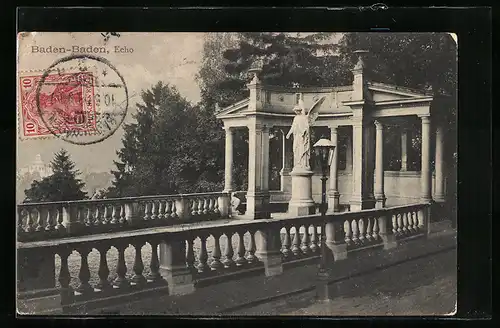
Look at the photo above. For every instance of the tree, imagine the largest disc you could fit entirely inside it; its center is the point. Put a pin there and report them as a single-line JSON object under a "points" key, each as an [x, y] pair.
{"points": [[173, 147], [62, 185]]}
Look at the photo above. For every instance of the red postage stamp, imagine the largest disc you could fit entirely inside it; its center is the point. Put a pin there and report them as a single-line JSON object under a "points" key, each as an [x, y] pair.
{"points": [[63, 103]]}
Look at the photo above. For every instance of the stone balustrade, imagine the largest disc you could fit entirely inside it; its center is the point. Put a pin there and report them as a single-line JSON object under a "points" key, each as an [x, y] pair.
{"points": [[37, 221], [185, 256]]}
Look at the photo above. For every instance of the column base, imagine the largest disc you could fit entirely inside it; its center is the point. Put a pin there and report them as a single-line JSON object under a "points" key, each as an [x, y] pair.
{"points": [[180, 281], [257, 206], [339, 251], [333, 201], [357, 204], [301, 202], [380, 201], [439, 198], [389, 240], [426, 199], [273, 265]]}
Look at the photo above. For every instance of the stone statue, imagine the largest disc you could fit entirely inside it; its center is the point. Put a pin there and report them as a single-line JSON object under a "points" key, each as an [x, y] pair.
{"points": [[301, 136]]}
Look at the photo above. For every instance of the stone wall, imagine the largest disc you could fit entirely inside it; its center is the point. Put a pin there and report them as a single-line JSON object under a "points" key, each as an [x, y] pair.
{"points": [[401, 187]]}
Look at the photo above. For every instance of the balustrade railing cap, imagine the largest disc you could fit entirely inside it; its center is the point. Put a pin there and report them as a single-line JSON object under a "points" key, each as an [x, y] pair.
{"points": [[122, 199]]}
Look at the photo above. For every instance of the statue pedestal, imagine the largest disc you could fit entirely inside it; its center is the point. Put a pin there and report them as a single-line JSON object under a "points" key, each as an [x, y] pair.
{"points": [[301, 202]]}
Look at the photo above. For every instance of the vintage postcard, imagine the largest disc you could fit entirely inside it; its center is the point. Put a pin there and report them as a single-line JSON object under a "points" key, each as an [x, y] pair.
{"points": [[263, 173]]}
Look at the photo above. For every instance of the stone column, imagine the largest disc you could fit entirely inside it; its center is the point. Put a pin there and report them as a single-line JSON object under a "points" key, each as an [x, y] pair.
{"points": [[358, 198], [265, 159], [404, 149], [348, 158], [228, 181], [285, 170], [379, 166], [439, 191], [258, 172], [425, 182], [333, 193]]}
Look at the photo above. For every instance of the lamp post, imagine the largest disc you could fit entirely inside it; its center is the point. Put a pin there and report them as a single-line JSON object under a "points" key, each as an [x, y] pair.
{"points": [[324, 154]]}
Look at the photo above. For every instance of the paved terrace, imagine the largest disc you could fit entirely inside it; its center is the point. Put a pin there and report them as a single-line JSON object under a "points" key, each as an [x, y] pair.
{"points": [[414, 279]]}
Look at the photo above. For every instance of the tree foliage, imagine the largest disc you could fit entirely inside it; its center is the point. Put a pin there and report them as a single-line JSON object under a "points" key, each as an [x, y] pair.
{"points": [[62, 185], [176, 147], [173, 147]]}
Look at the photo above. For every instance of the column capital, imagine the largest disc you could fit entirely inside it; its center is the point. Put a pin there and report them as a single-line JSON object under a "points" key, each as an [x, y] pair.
{"points": [[378, 125], [228, 128], [333, 127], [426, 119]]}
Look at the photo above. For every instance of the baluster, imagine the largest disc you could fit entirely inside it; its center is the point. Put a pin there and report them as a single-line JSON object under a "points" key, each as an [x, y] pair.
{"points": [[296, 241], [203, 256], [138, 267], [84, 274], [400, 224], [405, 223], [80, 215], [29, 221], [114, 215], [305, 240], [20, 213], [103, 271], [355, 231], [415, 221], [173, 213], [348, 233], [59, 220], [105, 215], [190, 253], [375, 234], [64, 275], [154, 210], [97, 219], [168, 211], [314, 240], [123, 218], [285, 249], [228, 251], [210, 205], [369, 229], [49, 226], [240, 260], [88, 221], [251, 258], [147, 211], [194, 207], [205, 206], [201, 203], [161, 209], [216, 254], [155, 264], [394, 224], [39, 220], [362, 230], [216, 206], [410, 222], [121, 269]]}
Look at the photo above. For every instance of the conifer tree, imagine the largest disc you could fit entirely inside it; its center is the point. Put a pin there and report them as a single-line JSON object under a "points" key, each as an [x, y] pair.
{"points": [[62, 185]]}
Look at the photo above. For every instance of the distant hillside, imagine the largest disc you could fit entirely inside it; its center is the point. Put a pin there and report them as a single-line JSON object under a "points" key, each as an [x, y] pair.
{"points": [[93, 181]]}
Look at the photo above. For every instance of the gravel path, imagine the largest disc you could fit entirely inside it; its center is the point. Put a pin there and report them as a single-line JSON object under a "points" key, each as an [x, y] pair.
{"points": [[426, 286]]}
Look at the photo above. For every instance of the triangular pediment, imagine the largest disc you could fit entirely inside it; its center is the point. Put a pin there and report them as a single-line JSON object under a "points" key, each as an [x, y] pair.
{"points": [[382, 92], [234, 109]]}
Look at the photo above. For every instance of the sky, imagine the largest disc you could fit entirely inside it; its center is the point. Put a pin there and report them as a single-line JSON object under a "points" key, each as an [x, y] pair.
{"points": [[174, 58], [170, 57]]}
